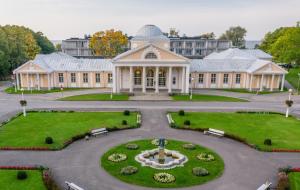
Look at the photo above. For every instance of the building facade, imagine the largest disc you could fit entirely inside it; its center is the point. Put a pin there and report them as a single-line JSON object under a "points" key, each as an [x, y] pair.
{"points": [[150, 66], [77, 47]]}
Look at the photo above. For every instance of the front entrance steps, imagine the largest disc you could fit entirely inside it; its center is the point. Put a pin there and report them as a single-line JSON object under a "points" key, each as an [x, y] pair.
{"points": [[149, 96]]}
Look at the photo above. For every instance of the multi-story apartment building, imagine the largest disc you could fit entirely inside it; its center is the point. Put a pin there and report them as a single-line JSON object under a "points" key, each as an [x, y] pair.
{"points": [[197, 47], [190, 47], [77, 47]]}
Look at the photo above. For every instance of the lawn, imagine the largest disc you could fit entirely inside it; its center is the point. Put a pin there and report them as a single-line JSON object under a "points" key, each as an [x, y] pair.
{"points": [[294, 179], [292, 77], [97, 97], [241, 90], [206, 98], [253, 127], [11, 90], [32, 130], [9, 181], [144, 176]]}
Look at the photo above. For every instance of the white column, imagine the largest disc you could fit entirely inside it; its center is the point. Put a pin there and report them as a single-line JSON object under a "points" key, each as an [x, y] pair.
{"points": [[130, 79], [251, 80], [261, 82], [144, 80], [114, 87], [38, 80], [49, 83], [282, 82], [170, 80], [220, 80], [18, 81], [156, 79], [272, 82], [207, 78], [182, 79], [91, 78], [187, 79], [118, 80], [28, 85]]}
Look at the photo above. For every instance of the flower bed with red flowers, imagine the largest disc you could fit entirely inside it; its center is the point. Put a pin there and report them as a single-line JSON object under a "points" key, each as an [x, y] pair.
{"points": [[26, 148], [295, 169], [284, 150], [21, 167]]}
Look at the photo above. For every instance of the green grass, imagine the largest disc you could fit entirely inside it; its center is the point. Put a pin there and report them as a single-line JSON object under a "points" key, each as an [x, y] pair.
{"points": [[32, 130], [255, 128], [294, 179], [292, 77], [241, 90], [144, 176], [9, 181], [11, 90], [206, 98], [96, 97]]}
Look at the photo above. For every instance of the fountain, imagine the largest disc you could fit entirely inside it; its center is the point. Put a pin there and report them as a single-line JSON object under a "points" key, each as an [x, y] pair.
{"points": [[161, 158]]}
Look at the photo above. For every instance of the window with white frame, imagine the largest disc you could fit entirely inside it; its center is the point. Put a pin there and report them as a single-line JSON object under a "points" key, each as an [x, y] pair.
{"points": [[201, 79], [137, 77], [60, 77], [110, 77], [213, 78], [162, 78], [237, 78], [150, 55], [85, 78], [73, 77], [225, 79], [97, 77]]}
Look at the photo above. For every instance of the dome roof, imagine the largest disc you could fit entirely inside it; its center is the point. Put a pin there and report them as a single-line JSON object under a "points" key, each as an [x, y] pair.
{"points": [[149, 32]]}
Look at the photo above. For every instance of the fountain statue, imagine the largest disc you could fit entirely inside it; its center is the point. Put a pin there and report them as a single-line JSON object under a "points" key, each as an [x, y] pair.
{"points": [[161, 151]]}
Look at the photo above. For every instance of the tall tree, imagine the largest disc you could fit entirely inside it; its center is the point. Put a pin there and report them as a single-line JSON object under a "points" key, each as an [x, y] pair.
{"points": [[45, 44], [58, 47], [108, 43], [4, 64], [236, 35], [210, 35], [173, 32]]}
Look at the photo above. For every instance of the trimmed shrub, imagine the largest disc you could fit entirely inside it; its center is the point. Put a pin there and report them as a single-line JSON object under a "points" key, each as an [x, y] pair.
{"points": [[198, 171], [181, 113], [48, 140], [124, 122], [117, 157], [21, 175], [187, 122], [189, 146], [173, 125], [164, 177], [268, 142], [126, 112], [205, 157], [132, 146], [283, 181], [129, 170]]}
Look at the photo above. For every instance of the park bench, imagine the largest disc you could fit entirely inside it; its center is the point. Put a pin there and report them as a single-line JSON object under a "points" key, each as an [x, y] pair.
{"points": [[265, 186], [100, 131], [72, 186], [214, 132]]}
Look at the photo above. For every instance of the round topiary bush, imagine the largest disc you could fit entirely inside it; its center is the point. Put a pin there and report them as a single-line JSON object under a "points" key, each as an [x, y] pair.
{"points": [[124, 122], [48, 140], [181, 112], [156, 142], [117, 157], [198, 171], [187, 122], [126, 112], [132, 146], [268, 142], [164, 177], [205, 157], [129, 170], [189, 146], [21, 175]]}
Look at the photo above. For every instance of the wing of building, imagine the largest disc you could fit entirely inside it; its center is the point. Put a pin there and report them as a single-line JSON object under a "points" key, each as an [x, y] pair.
{"points": [[150, 66]]}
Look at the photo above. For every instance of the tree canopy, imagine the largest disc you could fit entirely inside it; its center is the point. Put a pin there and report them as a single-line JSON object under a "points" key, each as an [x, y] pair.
{"points": [[283, 44], [209, 35], [236, 34], [108, 43]]}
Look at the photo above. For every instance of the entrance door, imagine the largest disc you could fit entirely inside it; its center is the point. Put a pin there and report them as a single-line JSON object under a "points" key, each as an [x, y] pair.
{"points": [[150, 79]]}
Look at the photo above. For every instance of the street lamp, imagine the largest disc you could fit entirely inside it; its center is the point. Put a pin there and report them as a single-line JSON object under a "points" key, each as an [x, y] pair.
{"points": [[191, 95], [289, 103], [290, 93], [23, 103], [22, 92]]}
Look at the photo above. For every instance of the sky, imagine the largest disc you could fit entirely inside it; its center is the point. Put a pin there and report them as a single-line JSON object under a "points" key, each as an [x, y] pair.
{"points": [[62, 19]]}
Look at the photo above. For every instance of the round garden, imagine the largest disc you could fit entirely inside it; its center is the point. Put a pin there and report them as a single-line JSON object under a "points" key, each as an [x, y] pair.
{"points": [[172, 164]]}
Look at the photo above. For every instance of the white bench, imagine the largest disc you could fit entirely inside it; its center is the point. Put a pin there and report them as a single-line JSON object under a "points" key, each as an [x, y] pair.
{"points": [[170, 120], [215, 132], [72, 186], [100, 131], [265, 186]]}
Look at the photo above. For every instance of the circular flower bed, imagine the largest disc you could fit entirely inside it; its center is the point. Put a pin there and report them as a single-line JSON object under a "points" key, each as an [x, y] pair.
{"points": [[129, 170], [117, 157], [164, 177], [189, 146], [132, 146], [206, 157], [156, 142], [198, 171]]}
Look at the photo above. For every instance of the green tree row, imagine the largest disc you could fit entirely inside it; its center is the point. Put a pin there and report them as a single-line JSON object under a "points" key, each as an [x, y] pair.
{"points": [[19, 44]]}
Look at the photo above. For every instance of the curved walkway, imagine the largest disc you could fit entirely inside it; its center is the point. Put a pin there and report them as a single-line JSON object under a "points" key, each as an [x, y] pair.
{"points": [[245, 168]]}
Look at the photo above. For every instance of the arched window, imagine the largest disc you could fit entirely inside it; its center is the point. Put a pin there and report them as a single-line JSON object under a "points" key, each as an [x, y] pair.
{"points": [[137, 77], [150, 55]]}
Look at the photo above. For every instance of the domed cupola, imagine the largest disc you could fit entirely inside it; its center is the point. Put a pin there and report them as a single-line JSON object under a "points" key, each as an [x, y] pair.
{"points": [[150, 34]]}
